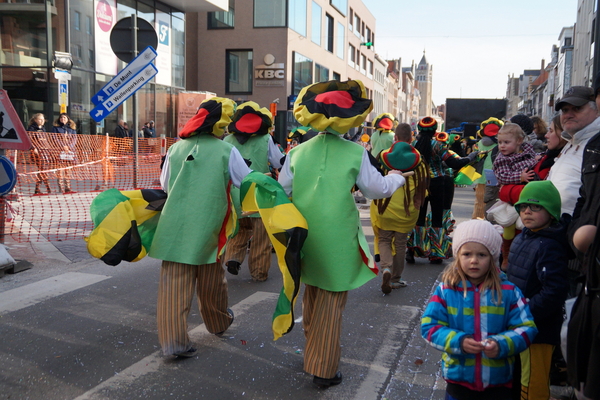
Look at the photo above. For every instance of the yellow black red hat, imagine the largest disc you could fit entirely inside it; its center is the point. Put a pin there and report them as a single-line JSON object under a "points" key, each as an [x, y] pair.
{"points": [[490, 127], [385, 122], [333, 106], [248, 120], [213, 116], [427, 124]]}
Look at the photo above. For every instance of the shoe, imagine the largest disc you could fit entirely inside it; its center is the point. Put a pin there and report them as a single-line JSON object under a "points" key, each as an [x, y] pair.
{"points": [[230, 311], [399, 284], [324, 382], [385, 285], [410, 257], [435, 260], [233, 267], [191, 352]]}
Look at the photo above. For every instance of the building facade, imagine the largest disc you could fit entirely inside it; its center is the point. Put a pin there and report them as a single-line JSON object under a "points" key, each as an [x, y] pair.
{"points": [[33, 31], [424, 78], [583, 39], [268, 50]]}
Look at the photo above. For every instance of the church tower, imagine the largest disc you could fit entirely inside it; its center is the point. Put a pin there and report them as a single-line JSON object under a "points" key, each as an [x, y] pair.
{"points": [[424, 78]]}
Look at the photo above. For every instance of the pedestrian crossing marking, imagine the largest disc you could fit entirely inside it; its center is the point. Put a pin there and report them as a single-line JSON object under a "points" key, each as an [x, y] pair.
{"points": [[154, 361], [34, 293]]}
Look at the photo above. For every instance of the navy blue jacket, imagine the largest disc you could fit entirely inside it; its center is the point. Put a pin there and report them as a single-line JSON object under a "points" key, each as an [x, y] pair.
{"points": [[537, 264]]}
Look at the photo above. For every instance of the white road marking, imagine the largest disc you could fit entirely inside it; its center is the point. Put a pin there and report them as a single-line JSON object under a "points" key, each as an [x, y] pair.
{"points": [[379, 368], [28, 295], [153, 362]]}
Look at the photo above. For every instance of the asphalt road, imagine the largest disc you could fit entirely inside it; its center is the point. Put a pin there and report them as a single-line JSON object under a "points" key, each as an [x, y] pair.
{"points": [[79, 329]]}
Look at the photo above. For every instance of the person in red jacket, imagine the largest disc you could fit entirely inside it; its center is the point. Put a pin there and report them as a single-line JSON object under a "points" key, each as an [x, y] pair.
{"points": [[510, 193]]}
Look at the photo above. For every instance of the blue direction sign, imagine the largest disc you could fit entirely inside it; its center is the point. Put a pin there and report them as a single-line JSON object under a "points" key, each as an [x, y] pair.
{"points": [[8, 176], [144, 76], [125, 75]]}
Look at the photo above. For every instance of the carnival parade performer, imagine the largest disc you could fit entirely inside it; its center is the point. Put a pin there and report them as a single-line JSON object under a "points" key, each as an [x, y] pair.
{"points": [[194, 224], [383, 137], [432, 241], [319, 176], [249, 133]]}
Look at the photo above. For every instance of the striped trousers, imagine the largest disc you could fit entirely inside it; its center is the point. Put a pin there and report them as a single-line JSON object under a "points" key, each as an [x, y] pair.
{"points": [[176, 288], [322, 322], [259, 260]]}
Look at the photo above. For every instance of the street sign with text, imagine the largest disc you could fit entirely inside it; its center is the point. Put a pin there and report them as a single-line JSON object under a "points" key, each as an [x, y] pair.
{"points": [[127, 89], [141, 61]]}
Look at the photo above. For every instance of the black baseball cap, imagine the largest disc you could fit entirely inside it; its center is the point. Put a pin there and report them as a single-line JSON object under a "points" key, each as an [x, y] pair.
{"points": [[576, 96]]}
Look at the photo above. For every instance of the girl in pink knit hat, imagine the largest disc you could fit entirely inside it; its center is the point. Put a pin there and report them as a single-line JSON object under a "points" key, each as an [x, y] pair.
{"points": [[477, 318]]}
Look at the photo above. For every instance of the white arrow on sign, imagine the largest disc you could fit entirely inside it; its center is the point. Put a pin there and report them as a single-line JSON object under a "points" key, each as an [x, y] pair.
{"points": [[125, 91], [141, 61]]}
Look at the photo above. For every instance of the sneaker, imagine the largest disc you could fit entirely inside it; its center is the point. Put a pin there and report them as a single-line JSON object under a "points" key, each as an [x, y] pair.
{"points": [[385, 285], [399, 284], [191, 352], [233, 267], [324, 382], [230, 311], [435, 260]]}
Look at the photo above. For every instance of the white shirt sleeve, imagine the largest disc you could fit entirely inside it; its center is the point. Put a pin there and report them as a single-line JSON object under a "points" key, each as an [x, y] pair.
{"points": [[286, 177], [164, 174], [237, 170], [237, 167], [372, 184], [275, 154]]}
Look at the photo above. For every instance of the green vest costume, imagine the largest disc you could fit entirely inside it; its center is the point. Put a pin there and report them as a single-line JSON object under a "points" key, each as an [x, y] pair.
{"points": [[191, 228], [325, 170], [381, 141], [256, 149], [488, 163]]}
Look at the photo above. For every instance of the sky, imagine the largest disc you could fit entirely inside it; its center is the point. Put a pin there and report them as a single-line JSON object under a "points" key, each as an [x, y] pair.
{"points": [[473, 45]]}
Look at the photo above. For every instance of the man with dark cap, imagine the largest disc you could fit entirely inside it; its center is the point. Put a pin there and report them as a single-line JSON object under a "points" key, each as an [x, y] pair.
{"points": [[583, 343], [579, 118]]}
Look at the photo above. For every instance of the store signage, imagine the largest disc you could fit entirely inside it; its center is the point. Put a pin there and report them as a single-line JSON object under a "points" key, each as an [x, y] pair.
{"points": [[270, 73]]}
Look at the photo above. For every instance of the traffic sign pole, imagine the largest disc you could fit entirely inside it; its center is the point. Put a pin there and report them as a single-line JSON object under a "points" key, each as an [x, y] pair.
{"points": [[134, 32]]}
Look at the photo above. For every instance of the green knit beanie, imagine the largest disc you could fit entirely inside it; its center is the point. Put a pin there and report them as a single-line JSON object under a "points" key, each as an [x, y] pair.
{"points": [[543, 193]]}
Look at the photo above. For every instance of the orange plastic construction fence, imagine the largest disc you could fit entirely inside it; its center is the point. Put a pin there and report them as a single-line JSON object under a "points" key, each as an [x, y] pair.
{"points": [[60, 176]]}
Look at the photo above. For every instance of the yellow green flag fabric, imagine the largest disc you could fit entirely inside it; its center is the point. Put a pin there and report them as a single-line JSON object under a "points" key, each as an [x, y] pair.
{"points": [[467, 175], [124, 224], [287, 231]]}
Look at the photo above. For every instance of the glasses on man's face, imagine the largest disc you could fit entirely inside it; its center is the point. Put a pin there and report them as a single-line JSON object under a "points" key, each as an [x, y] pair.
{"points": [[532, 207]]}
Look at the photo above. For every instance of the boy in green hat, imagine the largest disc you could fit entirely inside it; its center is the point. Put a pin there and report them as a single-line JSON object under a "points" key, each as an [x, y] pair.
{"points": [[537, 264]]}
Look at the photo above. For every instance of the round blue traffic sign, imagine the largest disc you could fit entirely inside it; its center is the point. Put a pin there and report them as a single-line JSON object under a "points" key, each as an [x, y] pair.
{"points": [[8, 176]]}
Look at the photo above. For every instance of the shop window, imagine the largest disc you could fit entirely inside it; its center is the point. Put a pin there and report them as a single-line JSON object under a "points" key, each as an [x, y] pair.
{"points": [[321, 73], [239, 69], [303, 73], [222, 19], [340, 40], [297, 16], [23, 39], [340, 5], [269, 13], [329, 33], [317, 23]]}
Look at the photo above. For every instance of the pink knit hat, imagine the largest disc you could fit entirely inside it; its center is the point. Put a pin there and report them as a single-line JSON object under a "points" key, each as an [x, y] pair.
{"points": [[479, 231]]}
